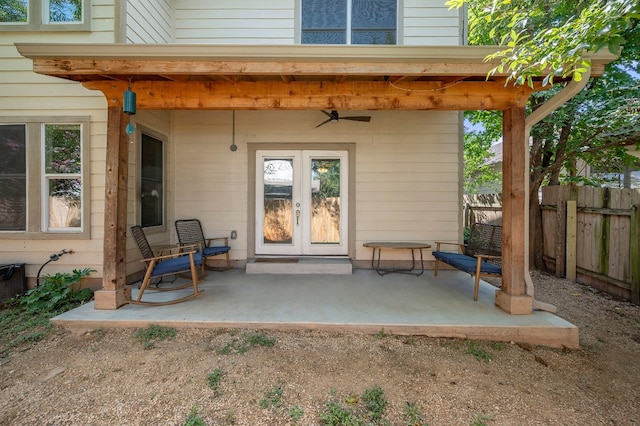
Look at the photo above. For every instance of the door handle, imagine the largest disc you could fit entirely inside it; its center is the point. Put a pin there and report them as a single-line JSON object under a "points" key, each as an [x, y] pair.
{"points": [[297, 217]]}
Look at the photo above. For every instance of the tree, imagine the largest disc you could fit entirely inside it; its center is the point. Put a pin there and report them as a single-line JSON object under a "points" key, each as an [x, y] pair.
{"points": [[547, 37]]}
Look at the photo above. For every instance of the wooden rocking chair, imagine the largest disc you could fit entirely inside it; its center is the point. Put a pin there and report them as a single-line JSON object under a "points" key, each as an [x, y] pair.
{"points": [[190, 232], [187, 260]]}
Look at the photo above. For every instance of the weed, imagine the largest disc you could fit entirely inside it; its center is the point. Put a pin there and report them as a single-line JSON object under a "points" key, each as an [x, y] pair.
{"points": [[380, 334], [153, 334], [213, 379], [271, 398], [337, 415], [375, 402], [230, 417], [481, 420], [57, 293], [260, 339], [619, 311], [411, 415], [498, 346], [193, 419], [479, 353], [243, 345], [295, 413]]}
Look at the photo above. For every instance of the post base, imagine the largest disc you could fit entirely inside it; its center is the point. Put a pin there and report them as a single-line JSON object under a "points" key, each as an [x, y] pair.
{"points": [[111, 299], [514, 305]]}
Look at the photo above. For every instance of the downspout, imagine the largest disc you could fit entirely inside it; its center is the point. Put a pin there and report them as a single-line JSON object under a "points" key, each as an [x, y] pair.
{"points": [[573, 88]]}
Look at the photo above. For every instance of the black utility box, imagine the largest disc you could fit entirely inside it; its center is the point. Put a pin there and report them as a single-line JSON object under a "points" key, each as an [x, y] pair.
{"points": [[12, 280]]}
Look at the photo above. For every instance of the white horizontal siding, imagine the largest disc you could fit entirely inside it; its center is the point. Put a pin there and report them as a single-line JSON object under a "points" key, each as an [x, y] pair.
{"points": [[407, 170], [26, 94], [235, 22], [430, 23], [150, 22]]}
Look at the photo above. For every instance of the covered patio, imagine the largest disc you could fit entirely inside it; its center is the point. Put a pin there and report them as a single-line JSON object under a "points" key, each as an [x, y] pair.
{"points": [[362, 302], [306, 77]]}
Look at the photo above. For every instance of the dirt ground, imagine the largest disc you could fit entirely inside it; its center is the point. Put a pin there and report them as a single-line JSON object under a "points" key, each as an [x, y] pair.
{"points": [[108, 377]]}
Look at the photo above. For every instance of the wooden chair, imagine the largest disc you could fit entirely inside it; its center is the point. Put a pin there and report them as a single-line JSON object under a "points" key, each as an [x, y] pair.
{"points": [[186, 260], [481, 256], [190, 232]]}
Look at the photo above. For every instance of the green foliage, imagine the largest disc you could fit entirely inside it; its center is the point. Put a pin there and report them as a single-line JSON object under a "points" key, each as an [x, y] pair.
{"points": [[194, 418], [245, 342], [214, 378], [271, 399], [548, 37], [479, 171], [412, 415], [478, 352], [336, 415], [295, 413], [153, 334], [375, 402], [481, 420], [56, 293]]}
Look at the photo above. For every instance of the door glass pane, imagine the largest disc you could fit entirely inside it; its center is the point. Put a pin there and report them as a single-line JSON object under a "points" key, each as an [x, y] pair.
{"points": [[325, 201], [278, 203]]}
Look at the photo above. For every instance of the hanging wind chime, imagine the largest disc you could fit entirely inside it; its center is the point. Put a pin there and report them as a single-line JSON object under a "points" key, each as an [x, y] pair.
{"points": [[129, 107]]}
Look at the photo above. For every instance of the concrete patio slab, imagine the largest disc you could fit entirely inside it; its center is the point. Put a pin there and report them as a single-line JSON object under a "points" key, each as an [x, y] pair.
{"points": [[364, 302]]}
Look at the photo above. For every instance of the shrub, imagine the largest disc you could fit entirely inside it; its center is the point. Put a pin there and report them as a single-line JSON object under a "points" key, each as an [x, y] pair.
{"points": [[57, 293]]}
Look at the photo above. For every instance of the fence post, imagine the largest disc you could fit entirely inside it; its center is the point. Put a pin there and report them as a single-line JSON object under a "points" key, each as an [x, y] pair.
{"points": [[561, 236], [572, 226], [634, 248]]}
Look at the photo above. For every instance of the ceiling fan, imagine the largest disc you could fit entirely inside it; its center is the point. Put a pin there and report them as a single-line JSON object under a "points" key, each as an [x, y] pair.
{"points": [[335, 117]]}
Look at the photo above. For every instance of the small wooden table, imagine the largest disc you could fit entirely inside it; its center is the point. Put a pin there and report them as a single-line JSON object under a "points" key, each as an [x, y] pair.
{"points": [[398, 245]]}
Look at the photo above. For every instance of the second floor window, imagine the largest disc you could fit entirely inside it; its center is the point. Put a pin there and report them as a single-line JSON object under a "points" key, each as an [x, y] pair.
{"points": [[43, 14], [349, 21]]}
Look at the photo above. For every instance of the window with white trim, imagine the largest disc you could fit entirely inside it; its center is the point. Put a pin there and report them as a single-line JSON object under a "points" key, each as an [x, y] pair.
{"points": [[49, 15], [349, 21], [43, 170]]}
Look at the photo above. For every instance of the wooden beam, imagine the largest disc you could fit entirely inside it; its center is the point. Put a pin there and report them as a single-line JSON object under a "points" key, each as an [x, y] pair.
{"points": [[114, 292], [98, 66], [300, 95], [512, 296]]}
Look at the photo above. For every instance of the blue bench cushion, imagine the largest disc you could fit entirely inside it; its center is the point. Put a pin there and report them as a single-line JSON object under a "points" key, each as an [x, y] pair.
{"points": [[215, 250], [466, 263], [176, 264]]}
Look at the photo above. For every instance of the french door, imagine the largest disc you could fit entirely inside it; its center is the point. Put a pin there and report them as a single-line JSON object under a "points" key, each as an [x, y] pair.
{"points": [[301, 202]]}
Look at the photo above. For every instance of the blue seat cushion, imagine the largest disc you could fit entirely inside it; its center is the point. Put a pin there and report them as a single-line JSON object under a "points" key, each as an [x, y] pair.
{"points": [[466, 263], [215, 250], [176, 264]]}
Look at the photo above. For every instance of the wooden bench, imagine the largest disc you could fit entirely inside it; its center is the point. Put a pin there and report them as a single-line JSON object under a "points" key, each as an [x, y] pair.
{"points": [[481, 256]]}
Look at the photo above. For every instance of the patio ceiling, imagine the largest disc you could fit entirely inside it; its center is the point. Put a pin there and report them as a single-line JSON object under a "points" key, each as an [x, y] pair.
{"points": [[286, 77]]}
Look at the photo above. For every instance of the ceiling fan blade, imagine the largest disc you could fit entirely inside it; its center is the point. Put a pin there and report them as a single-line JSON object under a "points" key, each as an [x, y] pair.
{"points": [[324, 122], [364, 118], [326, 113]]}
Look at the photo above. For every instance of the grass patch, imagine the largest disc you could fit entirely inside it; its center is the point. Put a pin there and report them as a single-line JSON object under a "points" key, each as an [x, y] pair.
{"points": [[367, 409], [193, 419], [154, 334], [214, 378], [412, 415], [479, 353], [336, 415], [242, 343], [295, 413], [271, 399], [375, 402]]}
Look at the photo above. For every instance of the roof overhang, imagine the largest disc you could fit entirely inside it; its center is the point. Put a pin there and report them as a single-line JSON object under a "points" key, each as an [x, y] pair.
{"points": [[179, 76]]}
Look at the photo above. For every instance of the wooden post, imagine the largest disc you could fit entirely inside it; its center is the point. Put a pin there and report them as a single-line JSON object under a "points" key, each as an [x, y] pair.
{"points": [[512, 297], [634, 247], [572, 226], [114, 292]]}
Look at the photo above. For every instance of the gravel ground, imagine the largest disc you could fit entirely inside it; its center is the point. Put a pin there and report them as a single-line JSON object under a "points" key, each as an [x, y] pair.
{"points": [[108, 377]]}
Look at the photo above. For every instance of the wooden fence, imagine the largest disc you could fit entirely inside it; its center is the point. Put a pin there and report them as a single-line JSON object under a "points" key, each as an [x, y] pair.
{"points": [[594, 233], [485, 208]]}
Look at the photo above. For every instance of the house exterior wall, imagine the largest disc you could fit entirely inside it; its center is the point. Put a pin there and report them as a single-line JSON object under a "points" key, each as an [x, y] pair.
{"points": [[27, 95], [407, 173]]}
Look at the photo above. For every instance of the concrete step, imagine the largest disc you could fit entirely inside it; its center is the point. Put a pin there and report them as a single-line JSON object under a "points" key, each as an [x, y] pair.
{"points": [[299, 265]]}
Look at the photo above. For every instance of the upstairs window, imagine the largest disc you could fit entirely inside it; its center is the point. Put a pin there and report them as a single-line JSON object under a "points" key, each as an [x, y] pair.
{"points": [[349, 21], [33, 15]]}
